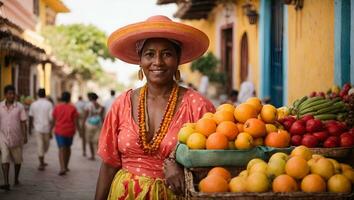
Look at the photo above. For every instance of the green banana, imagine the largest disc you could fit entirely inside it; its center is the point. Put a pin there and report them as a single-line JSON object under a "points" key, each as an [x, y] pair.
{"points": [[330, 109], [326, 116], [309, 100], [314, 103], [317, 107]]}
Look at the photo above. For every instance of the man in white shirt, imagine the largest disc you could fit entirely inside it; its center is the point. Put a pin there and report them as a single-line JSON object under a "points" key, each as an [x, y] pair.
{"points": [[41, 120], [109, 102], [80, 106]]}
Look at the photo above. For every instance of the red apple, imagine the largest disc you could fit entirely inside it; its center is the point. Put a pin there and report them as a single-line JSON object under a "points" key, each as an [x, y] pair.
{"points": [[313, 94], [331, 142], [322, 94], [313, 125], [309, 141], [298, 128], [307, 117], [334, 130], [287, 125], [296, 140], [346, 140], [351, 131], [321, 135], [329, 122]]}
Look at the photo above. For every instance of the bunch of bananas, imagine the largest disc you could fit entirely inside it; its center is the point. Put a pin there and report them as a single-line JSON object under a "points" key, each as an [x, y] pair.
{"points": [[320, 107]]}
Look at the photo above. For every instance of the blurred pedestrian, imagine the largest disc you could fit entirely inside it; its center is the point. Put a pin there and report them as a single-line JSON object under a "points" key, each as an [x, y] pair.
{"points": [[247, 90], [13, 135], [40, 118], [109, 102], [66, 120], [80, 107], [93, 121]]}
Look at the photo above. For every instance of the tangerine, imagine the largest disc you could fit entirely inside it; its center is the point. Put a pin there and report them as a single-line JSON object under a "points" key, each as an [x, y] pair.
{"points": [[227, 128], [284, 183], [223, 115], [205, 126], [269, 113], [255, 102], [196, 141], [297, 167], [278, 139], [244, 111], [220, 171], [313, 183], [213, 183], [226, 107], [255, 127], [217, 141]]}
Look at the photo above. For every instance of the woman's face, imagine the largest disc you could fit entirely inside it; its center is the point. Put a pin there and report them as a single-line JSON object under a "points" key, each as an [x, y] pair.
{"points": [[159, 60]]}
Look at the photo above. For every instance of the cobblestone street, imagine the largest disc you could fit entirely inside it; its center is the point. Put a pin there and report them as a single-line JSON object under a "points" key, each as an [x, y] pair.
{"points": [[78, 183]]}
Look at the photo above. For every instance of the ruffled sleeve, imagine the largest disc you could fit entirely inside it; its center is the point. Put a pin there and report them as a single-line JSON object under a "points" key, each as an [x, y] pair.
{"points": [[108, 141]]}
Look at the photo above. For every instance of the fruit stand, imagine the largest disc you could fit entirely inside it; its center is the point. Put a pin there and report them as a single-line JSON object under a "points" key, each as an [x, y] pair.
{"points": [[256, 151]]}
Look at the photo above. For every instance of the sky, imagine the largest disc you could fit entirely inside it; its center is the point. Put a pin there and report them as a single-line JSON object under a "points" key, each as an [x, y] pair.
{"points": [[110, 15]]}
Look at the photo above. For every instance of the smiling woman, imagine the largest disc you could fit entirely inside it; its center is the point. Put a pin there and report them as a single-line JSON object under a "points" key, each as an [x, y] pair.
{"points": [[139, 134]]}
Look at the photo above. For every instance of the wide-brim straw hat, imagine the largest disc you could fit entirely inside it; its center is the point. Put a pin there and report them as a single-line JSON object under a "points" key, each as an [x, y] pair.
{"points": [[122, 42]]}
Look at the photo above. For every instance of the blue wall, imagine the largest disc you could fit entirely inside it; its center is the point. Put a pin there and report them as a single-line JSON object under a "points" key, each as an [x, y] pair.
{"points": [[264, 47], [285, 56], [342, 41], [352, 43]]}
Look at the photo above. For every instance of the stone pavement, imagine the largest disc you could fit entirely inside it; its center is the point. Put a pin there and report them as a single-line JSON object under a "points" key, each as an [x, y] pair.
{"points": [[78, 183]]}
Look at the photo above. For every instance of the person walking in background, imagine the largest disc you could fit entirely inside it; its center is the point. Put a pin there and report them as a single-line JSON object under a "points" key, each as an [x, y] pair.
{"points": [[247, 90], [109, 102], [80, 107], [13, 134], [66, 120], [93, 120], [40, 117]]}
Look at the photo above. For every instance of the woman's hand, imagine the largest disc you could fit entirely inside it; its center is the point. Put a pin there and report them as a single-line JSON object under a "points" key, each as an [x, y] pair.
{"points": [[174, 176]]}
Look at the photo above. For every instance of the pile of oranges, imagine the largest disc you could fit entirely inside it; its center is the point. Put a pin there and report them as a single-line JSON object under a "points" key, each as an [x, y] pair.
{"points": [[299, 171], [242, 127]]}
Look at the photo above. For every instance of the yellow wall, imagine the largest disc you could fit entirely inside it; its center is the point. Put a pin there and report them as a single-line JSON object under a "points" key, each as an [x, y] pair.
{"points": [[311, 48], [207, 26], [242, 26]]}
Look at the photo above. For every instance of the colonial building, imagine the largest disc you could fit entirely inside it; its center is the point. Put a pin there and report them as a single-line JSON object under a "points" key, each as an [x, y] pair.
{"points": [[26, 60], [287, 48]]}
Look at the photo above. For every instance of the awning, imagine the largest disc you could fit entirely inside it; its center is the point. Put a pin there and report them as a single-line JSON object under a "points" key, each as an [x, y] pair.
{"points": [[195, 9], [15, 46], [161, 2]]}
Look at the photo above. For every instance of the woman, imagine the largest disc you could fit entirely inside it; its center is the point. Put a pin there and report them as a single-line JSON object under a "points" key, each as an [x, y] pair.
{"points": [[93, 120], [140, 131], [65, 117]]}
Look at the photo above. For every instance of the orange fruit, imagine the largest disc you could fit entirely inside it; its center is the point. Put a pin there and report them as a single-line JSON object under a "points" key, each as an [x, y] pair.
{"points": [[226, 107], [220, 171], [208, 115], [240, 127], [302, 151], [244, 141], [217, 141], [297, 167], [255, 127], [227, 128], [278, 139], [196, 141], [238, 184], [255, 102], [223, 115], [313, 183], [244, 111], [205, 126], [284, 183], [339, 184], [213, 184], [269, 113]]}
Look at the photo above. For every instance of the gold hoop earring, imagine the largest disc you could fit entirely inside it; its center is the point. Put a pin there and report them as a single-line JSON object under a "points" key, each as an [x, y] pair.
{"points": [[178, 75], [140, 74]]}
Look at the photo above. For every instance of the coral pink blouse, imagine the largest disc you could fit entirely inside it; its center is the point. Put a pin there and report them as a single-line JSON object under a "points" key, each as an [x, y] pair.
{"points": [[118, 143]]}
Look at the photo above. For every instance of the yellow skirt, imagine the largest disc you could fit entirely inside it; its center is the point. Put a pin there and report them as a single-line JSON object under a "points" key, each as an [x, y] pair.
{"points": [[127, 186]]}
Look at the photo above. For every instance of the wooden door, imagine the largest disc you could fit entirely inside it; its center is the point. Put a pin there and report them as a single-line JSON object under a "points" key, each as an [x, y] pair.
{"points": [[226, 56], [244, 58]]}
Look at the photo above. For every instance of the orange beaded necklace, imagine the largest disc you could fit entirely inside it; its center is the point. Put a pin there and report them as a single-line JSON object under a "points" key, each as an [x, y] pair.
{"points": [[155, 142]]}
